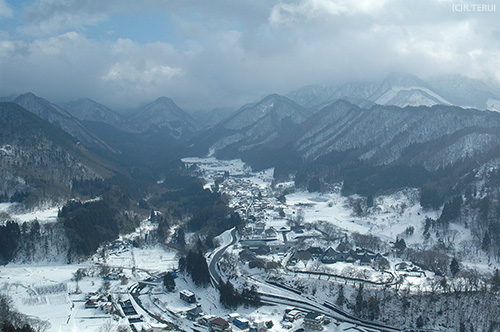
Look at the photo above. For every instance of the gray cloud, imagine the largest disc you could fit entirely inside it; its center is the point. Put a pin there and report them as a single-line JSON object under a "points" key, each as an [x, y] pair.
{"points": [[226, 53], [45, 17]]}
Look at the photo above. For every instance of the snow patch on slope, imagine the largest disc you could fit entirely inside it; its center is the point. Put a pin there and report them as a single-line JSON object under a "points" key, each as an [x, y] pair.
{"points": [[493, 105], [418, 97]]}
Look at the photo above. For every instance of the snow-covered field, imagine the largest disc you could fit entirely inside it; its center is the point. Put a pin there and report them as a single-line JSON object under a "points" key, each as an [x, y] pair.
{"points": [[43, 215], [44, 292], [48, 291], [388, 218]]}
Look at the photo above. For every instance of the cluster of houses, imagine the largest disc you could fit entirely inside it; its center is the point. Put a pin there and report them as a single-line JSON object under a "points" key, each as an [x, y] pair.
{"points": [[313, 321], [251, 249], [331, 256], [94, 301], [218, 324]]}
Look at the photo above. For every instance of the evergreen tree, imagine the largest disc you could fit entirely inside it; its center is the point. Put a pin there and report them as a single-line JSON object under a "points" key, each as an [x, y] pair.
{"points": [[250, 296], [229, 298], [9, 241], [495, 281], [430, 198], [420, 322], [196, 266], [179, 236], [373, 308], [314, 185], [340, 297], [454, 267], [169, 282], [486, 242], [360, 305], [400, 244], [451, 211], [182, 264], [369, 201]]}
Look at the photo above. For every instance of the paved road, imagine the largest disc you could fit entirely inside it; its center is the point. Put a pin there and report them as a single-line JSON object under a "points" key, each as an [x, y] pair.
{"points": [[212, 268]]}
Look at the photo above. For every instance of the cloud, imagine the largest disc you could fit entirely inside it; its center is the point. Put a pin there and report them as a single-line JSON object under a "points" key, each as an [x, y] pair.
{"points": [[208, 54], [310, 9], [45, 17], [5, 10]]}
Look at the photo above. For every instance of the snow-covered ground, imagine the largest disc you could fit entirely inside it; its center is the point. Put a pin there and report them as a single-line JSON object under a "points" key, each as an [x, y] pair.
{"points": [[43, 215], [48, 291]]}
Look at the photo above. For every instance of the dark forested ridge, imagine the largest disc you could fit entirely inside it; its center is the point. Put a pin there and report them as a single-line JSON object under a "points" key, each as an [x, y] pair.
{"points": [[88, 225], [38, 160]]}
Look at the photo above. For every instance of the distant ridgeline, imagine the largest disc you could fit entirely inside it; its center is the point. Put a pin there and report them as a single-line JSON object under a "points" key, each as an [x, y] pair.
{"points": [[51, 153]]}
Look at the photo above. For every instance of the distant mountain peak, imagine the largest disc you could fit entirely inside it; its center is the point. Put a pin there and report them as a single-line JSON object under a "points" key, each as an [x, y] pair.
{"points": [[163, 115], [28, 95], [162, 105], [61, 118], [86, 109], [164, 99], [279, 106]]}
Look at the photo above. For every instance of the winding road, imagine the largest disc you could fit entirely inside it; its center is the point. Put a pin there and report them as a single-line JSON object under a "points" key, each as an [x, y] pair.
{"points": [[212, 267]]}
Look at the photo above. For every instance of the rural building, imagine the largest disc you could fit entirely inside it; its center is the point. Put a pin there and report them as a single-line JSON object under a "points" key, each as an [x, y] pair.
{"points": [[187, 296], [316, 252], [293, 315], [195, 313], [241, 323], [303, 255], [314, 321], [219, 325]]}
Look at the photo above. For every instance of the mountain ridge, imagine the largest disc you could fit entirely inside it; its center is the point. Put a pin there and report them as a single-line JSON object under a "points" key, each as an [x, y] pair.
{"points": [[86, 109], [62, 119], [163, 115], [404, 90], [39, 160]]}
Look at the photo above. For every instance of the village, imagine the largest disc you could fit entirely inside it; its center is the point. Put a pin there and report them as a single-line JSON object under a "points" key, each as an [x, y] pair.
{"points": [[293, 245]]}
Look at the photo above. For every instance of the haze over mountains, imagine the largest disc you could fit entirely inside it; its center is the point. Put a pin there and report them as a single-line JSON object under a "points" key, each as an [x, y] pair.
{"points": [[404, 90], [401, 124]]}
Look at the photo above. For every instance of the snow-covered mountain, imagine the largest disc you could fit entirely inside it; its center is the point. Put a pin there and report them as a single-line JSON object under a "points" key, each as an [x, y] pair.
{"points": [[60, 118], [388, 146], [396, 89], [86, 109], [432, 137], [254, 126], [406, 90], [313, 95], [39, 160], [164, 116]]}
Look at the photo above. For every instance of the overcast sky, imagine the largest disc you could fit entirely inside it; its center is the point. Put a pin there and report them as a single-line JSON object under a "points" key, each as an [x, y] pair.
{"points": [[209, 53]]}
